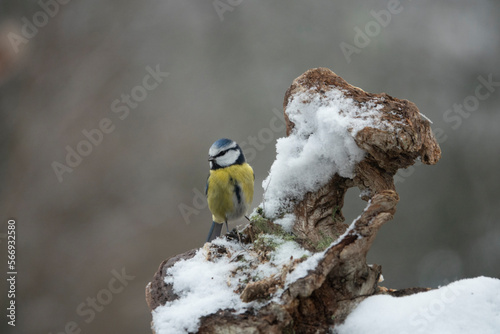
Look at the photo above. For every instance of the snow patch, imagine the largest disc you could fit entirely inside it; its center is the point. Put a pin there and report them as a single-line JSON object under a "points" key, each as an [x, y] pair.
{"points": [[303, 268], [320, 145], [462, 307], [206, 286], [286, 222], [203, 287]]}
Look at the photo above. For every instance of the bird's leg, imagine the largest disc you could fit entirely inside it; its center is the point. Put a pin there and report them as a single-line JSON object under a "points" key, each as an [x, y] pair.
{"points": [[239, 238], [247, 218], [227, 227]]}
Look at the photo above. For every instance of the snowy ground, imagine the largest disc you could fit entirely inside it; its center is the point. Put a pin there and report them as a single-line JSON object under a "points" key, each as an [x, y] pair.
{"points": [[462, 307]]}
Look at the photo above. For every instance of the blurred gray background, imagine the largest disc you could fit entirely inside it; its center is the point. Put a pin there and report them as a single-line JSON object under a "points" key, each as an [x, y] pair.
{"points": [[133, 200]]}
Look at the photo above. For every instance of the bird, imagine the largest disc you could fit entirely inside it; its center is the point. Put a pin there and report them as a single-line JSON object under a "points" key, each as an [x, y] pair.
{"points": [[229, 187]]}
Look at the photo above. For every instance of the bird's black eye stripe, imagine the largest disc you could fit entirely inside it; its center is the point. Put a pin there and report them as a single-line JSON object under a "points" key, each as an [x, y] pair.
{"points": [[224, 152], [221, 153]]}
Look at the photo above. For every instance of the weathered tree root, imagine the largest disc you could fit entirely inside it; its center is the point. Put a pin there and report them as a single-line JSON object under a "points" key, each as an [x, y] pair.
{"points": [[405, 137], [341, 277]]}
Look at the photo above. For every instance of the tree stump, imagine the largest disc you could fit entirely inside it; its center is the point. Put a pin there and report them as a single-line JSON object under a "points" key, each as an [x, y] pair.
{"points": [[315, 292]]}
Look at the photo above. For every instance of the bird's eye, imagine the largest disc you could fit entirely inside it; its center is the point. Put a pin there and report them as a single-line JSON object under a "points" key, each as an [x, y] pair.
{"points": [[220, 154]]}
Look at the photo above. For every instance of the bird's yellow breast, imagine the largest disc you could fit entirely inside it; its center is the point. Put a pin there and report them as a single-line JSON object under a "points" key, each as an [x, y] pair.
{"points": [[230, 192]]}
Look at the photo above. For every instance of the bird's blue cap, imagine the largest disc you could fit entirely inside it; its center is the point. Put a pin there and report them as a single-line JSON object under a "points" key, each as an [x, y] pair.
{"points": [[222, 142]]}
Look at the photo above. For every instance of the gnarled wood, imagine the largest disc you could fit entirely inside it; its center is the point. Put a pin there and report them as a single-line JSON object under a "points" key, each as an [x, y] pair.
{"points": [[341, 278]]}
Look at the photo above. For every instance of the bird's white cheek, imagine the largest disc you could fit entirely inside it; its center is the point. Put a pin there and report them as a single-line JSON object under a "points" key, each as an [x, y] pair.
{"points": [[210, 163], [228, 159]]}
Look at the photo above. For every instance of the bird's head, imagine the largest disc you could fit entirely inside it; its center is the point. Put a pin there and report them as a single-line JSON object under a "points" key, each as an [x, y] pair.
{"points": [[225, 152]]}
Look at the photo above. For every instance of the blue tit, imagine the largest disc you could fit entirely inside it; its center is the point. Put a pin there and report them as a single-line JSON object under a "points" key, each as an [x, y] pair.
{"points": [[229, 186]]}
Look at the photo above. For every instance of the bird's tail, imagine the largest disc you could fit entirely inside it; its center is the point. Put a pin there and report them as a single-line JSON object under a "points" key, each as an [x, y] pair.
{"points": [[214, 231]]}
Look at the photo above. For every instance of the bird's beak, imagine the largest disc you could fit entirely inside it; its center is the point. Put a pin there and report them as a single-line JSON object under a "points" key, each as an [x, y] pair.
{"points": [[211, 158]]}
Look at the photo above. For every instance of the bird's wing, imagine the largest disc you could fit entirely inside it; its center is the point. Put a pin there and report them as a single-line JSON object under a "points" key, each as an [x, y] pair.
{"points": [[206, 187]]}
